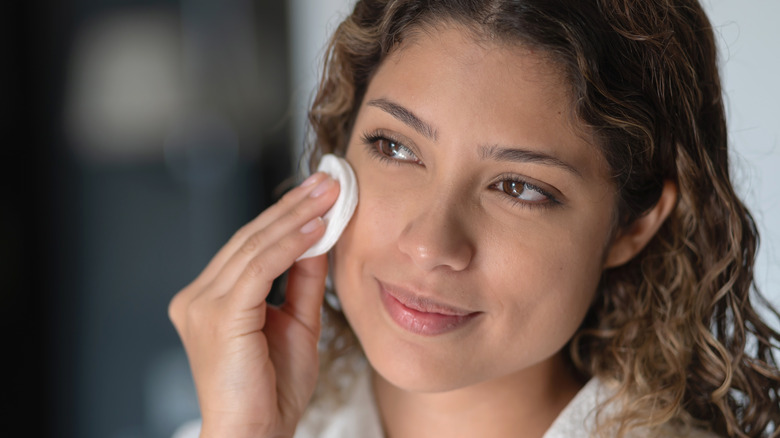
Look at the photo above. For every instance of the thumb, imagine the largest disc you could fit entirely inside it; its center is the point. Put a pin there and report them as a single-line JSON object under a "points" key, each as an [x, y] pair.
{"points": [[305, 291]]}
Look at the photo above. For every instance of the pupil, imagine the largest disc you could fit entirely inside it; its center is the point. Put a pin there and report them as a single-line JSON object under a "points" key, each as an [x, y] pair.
{"points": [[515, 188], [389, 147]]}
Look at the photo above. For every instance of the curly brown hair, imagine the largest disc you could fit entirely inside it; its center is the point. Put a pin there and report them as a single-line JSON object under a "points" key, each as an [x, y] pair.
{"points": [[674, 327]]}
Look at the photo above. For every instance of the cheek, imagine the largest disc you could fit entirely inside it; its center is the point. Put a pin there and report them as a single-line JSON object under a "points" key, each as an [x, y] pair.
{"points": [[370, 234], [374, 216], [552, 271], [545, 279], [380, 201]]}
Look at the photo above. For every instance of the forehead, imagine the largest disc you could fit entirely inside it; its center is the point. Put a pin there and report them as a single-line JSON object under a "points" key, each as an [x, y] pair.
{"points": [[476, 43], [472, 47], [436, 60], [494, 92]]}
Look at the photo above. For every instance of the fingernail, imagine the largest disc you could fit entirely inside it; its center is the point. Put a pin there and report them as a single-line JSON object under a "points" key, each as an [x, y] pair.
{"points": [[322, 187], [311, 225], [311, 179]]}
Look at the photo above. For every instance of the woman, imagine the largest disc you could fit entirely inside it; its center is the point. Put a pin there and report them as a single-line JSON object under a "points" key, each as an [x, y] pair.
{"points": [[547, 242]]}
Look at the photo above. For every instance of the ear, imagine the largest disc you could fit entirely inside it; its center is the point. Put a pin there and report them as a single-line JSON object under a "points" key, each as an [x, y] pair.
{"points": [[633, 237]]}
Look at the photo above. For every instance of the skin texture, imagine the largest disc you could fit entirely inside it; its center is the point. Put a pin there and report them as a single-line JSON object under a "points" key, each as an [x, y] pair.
{"points": [[441, 225], [439, 222]]}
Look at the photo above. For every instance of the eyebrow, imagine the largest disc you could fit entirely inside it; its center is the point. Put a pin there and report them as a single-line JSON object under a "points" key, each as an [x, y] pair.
{"points": [[493, 152], [499, 153], [405, 116]]}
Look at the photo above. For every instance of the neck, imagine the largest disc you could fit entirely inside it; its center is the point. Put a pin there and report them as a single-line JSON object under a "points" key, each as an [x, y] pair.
{"points": [[527, 401]]}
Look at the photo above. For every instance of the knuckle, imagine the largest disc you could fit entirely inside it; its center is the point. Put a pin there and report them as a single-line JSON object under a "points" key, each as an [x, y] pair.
{"points": [[283, 247], [173, 311], [265, 265], [287, 198], [177, 307], [257, 267], [197, 313], [203, 318], [241, 233], [251, 244], [298, 214], [190, 310]]}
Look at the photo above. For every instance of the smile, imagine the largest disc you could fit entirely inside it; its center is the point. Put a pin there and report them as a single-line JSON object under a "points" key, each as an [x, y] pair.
{"points": [[422, 316]]}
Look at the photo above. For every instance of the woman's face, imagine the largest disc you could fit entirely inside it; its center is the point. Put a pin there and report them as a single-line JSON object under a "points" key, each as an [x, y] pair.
{"points": [[483, 218]]}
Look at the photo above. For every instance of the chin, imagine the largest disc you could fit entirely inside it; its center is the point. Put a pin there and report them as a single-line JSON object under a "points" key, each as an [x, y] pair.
{"points": [[414, 369]]}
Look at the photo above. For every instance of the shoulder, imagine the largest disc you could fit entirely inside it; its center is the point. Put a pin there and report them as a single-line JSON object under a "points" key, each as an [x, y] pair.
{"points": [[579, 418]]}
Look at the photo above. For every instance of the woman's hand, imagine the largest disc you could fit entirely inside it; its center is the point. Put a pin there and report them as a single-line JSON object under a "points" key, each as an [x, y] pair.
{"points": [[255, 366]]}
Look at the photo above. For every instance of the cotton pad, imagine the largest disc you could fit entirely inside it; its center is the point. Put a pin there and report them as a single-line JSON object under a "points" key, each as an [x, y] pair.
{"points": [[337, 218]]}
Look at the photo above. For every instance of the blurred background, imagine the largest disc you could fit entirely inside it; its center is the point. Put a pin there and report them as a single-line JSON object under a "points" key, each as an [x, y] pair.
{"points": [[139, 134]]}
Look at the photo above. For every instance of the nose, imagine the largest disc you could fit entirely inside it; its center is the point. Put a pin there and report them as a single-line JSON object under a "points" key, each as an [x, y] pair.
{"points": [[436, 236]]}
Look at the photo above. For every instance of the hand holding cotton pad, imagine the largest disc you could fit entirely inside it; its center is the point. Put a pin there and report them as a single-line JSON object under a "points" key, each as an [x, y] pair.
{"points": [[337, 218]]}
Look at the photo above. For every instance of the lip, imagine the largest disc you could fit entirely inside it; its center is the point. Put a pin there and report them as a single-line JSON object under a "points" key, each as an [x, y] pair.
{"points": [[421, 315]]}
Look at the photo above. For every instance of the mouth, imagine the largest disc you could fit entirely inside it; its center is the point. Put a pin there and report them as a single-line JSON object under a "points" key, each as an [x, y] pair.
{"points": [[421, 315]]}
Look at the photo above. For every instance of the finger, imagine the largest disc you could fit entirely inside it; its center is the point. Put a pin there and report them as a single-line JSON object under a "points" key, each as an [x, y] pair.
{"points": [[316, 204], [278, 209], [268, 216], [253, 284], [305, 291]]}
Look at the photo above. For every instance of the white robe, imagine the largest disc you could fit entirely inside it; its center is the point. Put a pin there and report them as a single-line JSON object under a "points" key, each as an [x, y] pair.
{"points": [[359, 418]]}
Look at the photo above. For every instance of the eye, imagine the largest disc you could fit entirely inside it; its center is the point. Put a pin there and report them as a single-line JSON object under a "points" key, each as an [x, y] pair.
{"points": [[394, 150], [523, 192], [385, 148]]}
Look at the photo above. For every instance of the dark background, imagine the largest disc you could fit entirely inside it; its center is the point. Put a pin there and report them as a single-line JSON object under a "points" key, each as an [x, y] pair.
{"points": [[94, 248]]}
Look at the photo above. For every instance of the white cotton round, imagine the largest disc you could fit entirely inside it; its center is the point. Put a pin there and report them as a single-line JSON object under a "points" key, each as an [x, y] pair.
{"points": [[337, 218]]}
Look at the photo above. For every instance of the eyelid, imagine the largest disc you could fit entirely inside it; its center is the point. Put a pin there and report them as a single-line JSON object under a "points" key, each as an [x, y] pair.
{"points": [[554, 195], [395, 138]]}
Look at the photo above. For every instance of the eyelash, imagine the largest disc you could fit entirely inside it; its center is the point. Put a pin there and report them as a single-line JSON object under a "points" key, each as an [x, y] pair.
{"points": [[551, 201], [370, 140]]}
